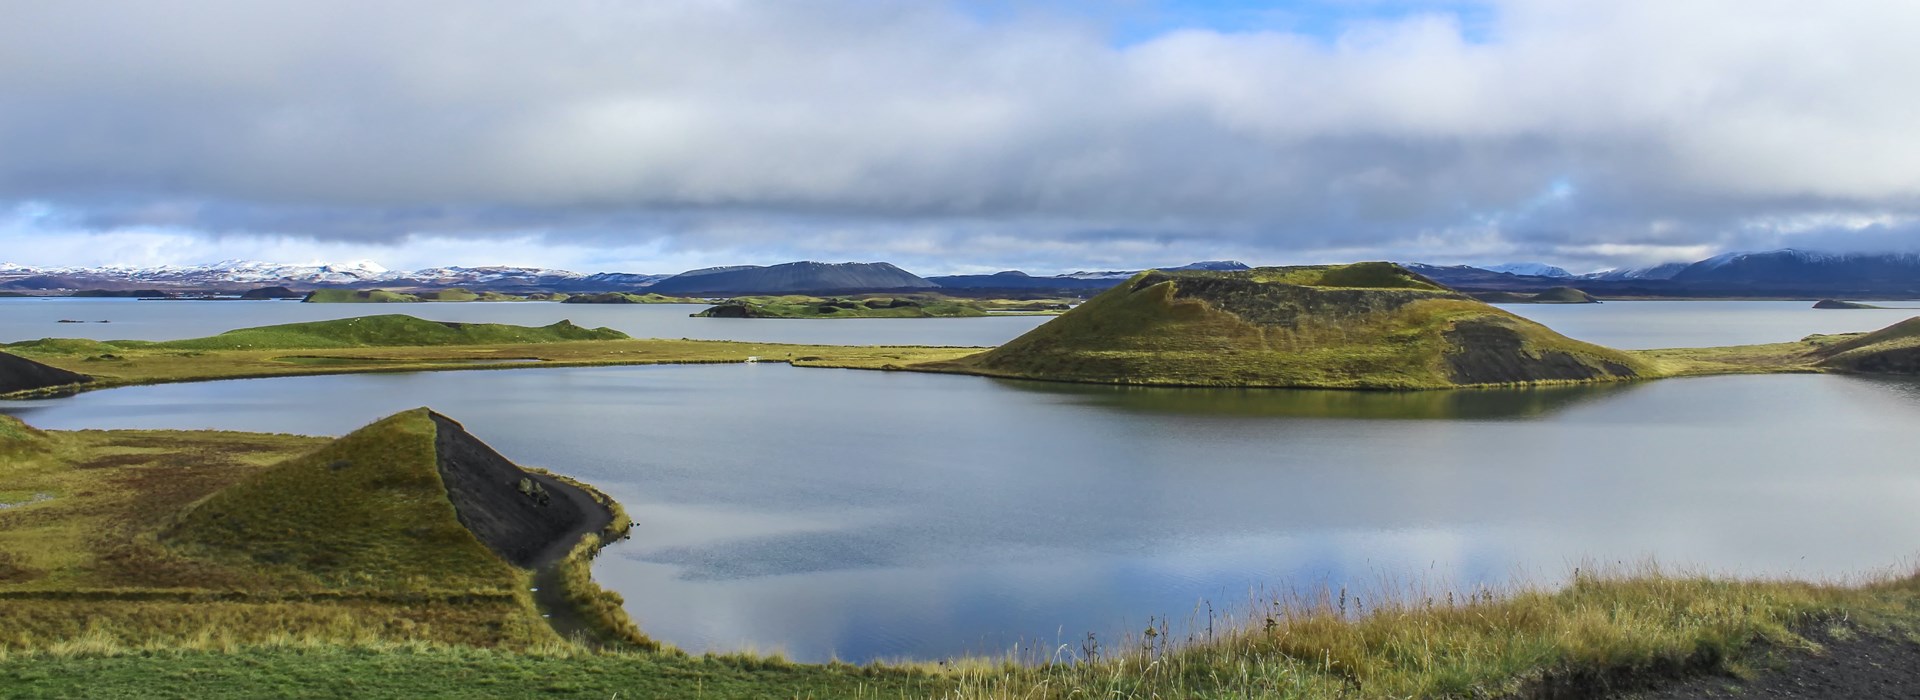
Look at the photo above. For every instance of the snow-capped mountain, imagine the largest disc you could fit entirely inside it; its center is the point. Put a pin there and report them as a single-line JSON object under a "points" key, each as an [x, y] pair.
{"points": [[1657, 272], [239, 274], [1532, 269], [1803, 268]]}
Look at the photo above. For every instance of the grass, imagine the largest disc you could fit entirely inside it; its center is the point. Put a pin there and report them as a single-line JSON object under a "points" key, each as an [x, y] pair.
{"points": [[199, 538], [1891, 350], [396, 343], [366, 511], [1600, 630], [1624, 631], [416, 671], [1364, 326]]}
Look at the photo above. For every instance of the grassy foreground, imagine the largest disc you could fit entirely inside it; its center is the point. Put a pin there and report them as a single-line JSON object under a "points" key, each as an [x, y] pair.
{"points": [[1597, 633]]}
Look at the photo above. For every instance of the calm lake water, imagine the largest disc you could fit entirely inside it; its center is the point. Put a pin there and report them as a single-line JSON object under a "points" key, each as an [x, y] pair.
{"points": [[131, 319], [865, 514], [1623, 324]]}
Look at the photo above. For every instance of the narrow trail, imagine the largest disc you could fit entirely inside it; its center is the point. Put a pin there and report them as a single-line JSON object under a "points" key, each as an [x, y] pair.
{"points": [[550, 594]]}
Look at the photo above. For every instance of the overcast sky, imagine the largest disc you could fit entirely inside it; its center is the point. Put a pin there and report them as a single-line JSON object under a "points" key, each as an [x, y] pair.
{"points": [[659, 135]]}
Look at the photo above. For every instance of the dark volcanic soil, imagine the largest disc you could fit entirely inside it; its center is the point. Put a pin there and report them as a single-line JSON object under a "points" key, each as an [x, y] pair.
{"points": [[529, 519], [1487, 353], [21, 374], [1855, 664]]}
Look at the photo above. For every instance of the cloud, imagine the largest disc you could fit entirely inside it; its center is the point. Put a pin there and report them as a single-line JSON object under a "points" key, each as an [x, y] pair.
{"points": [[952, 137]]}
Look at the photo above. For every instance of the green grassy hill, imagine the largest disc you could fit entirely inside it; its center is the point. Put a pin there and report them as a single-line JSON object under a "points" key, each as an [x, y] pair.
{"points": [[409, 529], [1366, 325], [1564, 295], [367, 510], [390, 330], [1891, 350]]}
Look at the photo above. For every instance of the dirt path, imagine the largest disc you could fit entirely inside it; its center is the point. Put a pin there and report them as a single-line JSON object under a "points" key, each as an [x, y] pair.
{"points": [[532, 520], [1853, 664], [551, 593]]}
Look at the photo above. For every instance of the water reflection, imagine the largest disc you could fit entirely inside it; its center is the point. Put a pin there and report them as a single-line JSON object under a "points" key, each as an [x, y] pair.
{"points": [[1465, 404]]}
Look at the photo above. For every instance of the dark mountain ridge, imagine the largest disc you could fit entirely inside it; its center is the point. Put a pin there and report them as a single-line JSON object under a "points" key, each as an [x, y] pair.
{"points": [[791, 278], [1786, 273]]}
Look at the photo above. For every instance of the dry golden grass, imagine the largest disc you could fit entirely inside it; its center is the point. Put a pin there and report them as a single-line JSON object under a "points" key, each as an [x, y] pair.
{"points": [[1633, 628]]}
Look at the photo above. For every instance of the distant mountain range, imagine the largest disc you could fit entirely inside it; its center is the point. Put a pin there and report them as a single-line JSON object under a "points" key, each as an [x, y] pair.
{"points": [[795, 277], [1017, 281], [1781, 274], [242, 274]]}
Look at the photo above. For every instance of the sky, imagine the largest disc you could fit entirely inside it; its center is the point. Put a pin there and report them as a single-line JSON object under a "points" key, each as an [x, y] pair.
{"points": [[954, 136]]}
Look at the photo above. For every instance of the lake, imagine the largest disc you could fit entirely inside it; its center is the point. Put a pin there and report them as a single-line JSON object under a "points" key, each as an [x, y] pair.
{"points": [[861, 515], [1622, 324], [131, 319]]}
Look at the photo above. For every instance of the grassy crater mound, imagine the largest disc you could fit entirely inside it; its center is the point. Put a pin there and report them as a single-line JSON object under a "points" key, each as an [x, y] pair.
{"points": [[1359, 326], [1891, 350], [411, 502]]}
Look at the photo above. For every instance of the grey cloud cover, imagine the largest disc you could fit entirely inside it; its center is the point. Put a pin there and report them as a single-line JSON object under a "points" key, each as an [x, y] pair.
{"points": [[1578, 131]]}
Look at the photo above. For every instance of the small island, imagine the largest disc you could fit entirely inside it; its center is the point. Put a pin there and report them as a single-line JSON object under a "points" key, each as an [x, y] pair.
{"points": [[1838, 304], [1359, 326]]}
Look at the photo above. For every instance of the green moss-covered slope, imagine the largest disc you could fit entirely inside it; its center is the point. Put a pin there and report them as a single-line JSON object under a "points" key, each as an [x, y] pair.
{"points": [[1365, 325], [18, 438], [1891, 350], [367, 510]]}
